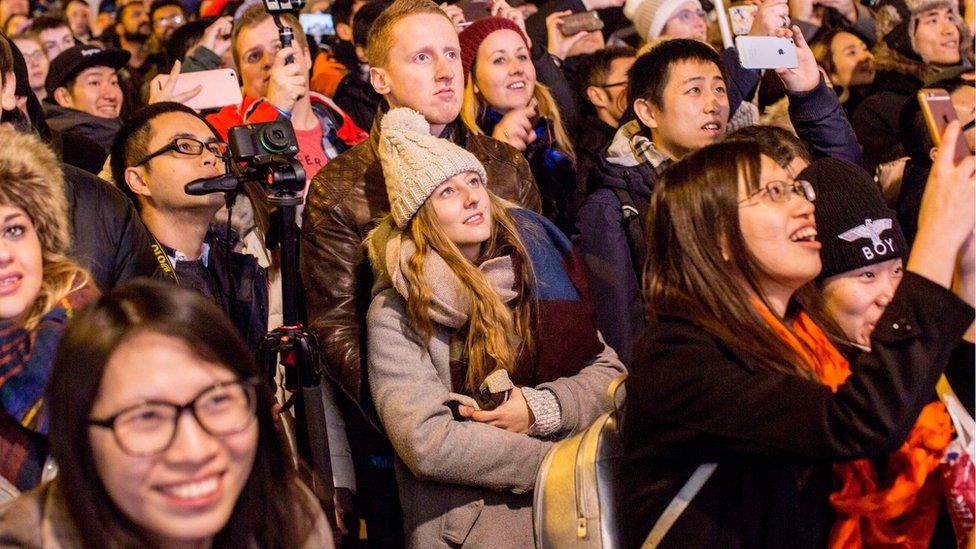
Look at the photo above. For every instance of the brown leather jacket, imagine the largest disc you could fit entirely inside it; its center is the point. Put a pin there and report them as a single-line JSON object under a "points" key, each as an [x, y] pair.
{"points": [[345, 201]]}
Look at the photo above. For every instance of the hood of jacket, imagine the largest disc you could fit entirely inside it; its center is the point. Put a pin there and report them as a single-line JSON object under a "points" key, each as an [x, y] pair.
{"points": [[620, 167], [891, 68]]}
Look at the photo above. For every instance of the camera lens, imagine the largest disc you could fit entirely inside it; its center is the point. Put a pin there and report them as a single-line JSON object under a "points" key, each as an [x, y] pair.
{"points": [[275, 140]]}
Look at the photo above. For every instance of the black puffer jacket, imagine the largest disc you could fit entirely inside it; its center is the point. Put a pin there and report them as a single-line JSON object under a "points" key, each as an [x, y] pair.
{"points": [[356, 96], [612, 262], [108, 238], [691, 400]]}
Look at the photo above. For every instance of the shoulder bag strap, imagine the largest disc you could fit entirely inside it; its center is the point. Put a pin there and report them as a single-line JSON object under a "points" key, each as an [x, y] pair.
{"points": [[633, 230], [678, 505]]}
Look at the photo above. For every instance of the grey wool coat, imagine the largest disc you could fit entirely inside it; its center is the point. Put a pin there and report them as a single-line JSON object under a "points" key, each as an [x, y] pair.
{"points": [[464, 483]]}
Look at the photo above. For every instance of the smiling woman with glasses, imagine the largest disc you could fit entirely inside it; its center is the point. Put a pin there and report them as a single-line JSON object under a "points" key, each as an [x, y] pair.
{"points": [[738, 394], [164, 436]]}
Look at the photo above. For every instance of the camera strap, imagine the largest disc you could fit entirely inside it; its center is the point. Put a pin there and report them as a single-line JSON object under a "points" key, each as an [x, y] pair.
{"points": [[163, 260]]}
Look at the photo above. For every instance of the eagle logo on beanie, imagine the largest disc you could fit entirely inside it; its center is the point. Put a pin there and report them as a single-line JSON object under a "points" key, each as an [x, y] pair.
{"points": [[871, 229]]}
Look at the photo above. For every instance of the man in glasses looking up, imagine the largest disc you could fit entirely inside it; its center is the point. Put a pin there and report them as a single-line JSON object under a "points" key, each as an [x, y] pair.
{"points": [[156, 153], [602, 80]]}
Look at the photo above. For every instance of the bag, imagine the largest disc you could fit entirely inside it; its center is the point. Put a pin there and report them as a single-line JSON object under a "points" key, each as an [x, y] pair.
{"points": [[958, 470], [576, 500]]}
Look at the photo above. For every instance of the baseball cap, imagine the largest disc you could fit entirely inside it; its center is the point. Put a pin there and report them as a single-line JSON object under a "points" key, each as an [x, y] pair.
{"points": [[73, 60]]}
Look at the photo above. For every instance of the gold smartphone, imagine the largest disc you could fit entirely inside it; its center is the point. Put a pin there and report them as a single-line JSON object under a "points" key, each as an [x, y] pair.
{"points": [[938, 112]]}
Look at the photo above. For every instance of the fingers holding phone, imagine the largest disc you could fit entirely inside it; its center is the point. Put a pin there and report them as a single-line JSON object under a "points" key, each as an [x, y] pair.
{"points": [[770, 15], [455, 14], [163, 87], [945, 218], [805, 76]]}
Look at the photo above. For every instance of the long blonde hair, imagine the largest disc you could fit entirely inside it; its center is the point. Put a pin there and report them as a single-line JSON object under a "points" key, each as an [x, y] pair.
{"points": [[494, 330], [474, 103], [31, 179]]}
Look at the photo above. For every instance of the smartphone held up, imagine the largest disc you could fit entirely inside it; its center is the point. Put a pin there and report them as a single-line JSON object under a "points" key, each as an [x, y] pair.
{"points": [[938, 111], [766, 52]]}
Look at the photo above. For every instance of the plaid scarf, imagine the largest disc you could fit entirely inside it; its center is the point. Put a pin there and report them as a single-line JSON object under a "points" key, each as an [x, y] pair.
{"points": [[26, 359]]}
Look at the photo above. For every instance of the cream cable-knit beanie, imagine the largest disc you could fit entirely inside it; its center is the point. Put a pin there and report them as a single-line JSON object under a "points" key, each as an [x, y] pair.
{"points": [[415, 162], [650, 16]]}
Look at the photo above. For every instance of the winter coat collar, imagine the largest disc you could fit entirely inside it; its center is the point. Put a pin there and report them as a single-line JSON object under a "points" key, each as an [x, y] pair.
{"points": [[630, 148]]}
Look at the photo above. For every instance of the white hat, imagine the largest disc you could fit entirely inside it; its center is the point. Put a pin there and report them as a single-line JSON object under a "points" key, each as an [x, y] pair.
{"points": [[650, 16], [415, 162]]}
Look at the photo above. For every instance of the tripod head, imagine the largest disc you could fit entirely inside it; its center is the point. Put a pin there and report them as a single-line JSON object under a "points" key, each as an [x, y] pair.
{"points": [[264, 153]]}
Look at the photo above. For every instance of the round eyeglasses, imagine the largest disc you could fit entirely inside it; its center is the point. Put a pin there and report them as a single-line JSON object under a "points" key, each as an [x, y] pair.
{"points": [[189, 147], [149, 428], [783, 191]]}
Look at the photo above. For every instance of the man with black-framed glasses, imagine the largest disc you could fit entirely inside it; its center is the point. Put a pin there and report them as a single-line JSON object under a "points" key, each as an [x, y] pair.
{"points": [[602, 80], [156, 153]]}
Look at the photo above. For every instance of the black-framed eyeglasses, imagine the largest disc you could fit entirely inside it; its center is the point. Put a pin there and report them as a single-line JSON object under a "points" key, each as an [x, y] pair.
{"points": [[189, 147], [783, 191], [149, 428]]}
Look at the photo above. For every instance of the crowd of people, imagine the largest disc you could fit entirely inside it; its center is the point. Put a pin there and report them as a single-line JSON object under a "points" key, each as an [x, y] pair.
{"points": [[503, 214]]}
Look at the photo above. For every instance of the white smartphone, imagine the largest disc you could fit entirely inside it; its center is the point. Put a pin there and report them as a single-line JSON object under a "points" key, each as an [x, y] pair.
{"points": [[220, 88], [766, 52]]}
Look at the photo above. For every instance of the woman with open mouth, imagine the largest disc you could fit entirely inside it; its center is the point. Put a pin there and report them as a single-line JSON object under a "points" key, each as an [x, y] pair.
{"points": [[863, 255], [164, 436], [503, 99], [739, 403], [40, 288], [482, 345]]}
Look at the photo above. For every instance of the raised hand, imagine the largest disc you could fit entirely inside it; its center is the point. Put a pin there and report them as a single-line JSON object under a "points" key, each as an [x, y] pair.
{"points": [[945, 219], [163, 87], [806, 76], [517, 128], [560, 45], [216, 37], [456, 15], [288, 83], [772, 15]]}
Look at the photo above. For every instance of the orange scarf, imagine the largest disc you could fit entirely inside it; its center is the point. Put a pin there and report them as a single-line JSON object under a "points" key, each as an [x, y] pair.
{"points": [[903, 512]]}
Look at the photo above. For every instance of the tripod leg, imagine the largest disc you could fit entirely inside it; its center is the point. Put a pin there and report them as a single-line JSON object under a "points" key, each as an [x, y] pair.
{"points": [[314, 446]]}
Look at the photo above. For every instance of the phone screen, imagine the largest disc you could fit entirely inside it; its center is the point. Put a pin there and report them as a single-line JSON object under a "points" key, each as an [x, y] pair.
{"points": [[317, 25]]}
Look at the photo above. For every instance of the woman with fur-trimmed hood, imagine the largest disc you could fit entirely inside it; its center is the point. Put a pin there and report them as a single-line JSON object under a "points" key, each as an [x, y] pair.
{"points": [[916, 40], [39, 289]]}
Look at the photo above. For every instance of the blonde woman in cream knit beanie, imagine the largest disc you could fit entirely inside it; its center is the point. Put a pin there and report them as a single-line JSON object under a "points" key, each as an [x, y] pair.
{"points": [[670, 18], [415, 162]]}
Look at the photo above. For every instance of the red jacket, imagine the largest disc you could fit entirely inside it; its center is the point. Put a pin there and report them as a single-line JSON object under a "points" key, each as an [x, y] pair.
{"points": [[254, 110]]}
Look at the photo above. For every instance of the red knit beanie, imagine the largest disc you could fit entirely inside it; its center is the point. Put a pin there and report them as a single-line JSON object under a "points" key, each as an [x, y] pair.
{"points": [[472, 37]]}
